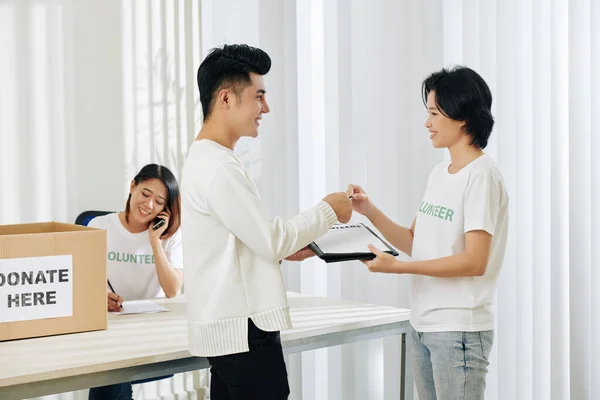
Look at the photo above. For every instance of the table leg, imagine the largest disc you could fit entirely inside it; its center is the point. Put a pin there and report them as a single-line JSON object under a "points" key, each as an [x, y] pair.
{"points": [[406, 375]]}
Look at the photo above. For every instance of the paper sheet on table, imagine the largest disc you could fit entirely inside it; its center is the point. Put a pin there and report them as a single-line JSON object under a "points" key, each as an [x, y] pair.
{"points": [[140, 307], [344, 239]]}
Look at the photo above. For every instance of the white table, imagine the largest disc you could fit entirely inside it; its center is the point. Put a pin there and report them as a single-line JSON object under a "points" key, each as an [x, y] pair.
{"points": [[145, 346]]}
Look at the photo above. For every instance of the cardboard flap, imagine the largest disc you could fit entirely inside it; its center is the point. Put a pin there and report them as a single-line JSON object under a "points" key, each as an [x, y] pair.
{"points": [[42, 227]]}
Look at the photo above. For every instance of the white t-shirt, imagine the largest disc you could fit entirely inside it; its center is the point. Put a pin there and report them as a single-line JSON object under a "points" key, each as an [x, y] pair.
{"points": [[475, 198], [130, 263]]}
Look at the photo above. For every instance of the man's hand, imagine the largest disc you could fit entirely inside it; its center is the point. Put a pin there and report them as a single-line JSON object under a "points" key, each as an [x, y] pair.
{"points": [[301, 255], [341, 204]]}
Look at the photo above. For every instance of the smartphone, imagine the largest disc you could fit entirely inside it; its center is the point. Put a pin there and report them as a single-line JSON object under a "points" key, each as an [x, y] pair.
{"points": [[158, 224]]}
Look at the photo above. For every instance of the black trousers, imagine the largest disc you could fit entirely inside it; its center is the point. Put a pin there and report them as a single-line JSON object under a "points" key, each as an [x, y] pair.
{"points": [[258, 374], [119, 391]]}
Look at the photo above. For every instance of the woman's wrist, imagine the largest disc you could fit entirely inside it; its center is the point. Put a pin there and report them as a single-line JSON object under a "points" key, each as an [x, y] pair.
{"points": [[156, 243], [371, 213]]}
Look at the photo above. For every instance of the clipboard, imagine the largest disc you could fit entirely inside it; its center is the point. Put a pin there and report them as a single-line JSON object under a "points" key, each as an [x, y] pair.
{"points": [[345, 242]]}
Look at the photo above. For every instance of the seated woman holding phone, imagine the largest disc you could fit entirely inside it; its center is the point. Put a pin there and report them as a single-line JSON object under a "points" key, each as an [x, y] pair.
{"points": [[144, 253], [144, 250]]}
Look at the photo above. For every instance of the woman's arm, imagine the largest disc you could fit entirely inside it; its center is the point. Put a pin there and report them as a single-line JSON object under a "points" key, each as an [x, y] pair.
{"points": [[472, 262], [398, 236], [170, 279]]}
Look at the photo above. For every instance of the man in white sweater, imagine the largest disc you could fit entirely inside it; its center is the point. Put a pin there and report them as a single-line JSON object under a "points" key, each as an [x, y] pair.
{"points": [[232, 248]]}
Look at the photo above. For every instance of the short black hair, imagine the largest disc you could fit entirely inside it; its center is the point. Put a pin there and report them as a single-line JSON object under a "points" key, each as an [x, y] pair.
{"points": [[462, 95], [229, 66]]}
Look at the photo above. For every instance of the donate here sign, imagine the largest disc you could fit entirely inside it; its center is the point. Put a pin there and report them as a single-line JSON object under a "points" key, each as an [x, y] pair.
{"points": [[36, 288]]}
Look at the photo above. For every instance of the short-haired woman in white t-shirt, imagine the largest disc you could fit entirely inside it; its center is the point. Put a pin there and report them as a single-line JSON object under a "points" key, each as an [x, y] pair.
{"points": [[143, 262], [457, 241]]}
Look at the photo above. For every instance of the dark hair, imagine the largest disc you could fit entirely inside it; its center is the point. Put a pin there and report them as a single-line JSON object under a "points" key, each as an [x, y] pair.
{"points": [[229, 67], [155, 171], [462, 95]]}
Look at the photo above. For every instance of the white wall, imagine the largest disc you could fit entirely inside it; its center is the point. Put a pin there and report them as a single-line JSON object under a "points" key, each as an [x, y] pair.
{"points": [[95, 108]]}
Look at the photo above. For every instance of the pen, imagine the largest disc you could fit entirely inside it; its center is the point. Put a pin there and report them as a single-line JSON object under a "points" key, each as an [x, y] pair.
{"points": [[113, 290]]}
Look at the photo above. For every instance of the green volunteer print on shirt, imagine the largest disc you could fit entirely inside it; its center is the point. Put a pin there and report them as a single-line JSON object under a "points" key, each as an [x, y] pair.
{"points": [[433, 210], [131, 258]]}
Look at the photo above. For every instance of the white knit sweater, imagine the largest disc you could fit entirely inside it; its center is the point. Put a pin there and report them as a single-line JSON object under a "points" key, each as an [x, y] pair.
{"points": [[232, 249]]}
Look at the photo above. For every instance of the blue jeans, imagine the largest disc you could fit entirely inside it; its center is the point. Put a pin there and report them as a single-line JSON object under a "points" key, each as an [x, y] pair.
{"points": [[450, 365]]}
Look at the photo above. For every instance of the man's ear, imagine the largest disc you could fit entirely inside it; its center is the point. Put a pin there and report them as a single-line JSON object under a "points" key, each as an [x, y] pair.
{"points": [[225, 98]]}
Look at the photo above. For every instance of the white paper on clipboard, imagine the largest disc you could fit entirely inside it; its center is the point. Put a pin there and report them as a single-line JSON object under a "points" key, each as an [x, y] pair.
{"points": [[352, 238]]}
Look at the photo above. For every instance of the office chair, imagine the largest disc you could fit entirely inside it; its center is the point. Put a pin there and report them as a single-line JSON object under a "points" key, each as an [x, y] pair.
{"points": [[85, 217]]}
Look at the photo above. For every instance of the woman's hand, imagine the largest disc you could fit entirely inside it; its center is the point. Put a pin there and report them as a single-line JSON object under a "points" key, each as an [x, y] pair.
{"points": [[114, 301], [383, 262], [155, 234], [360, 201]]}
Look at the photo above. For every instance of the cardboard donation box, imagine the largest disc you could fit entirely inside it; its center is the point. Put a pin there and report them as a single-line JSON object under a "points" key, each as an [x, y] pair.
{"points": [[52, 279]]}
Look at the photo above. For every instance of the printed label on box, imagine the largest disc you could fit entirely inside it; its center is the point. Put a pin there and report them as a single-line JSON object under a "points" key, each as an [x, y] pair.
{"points": [[36, 288]]}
